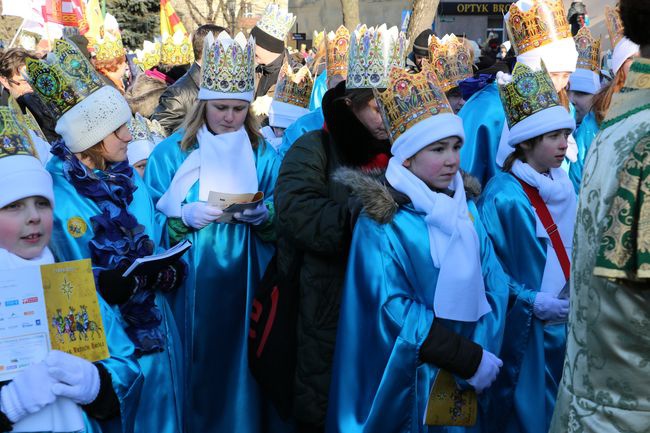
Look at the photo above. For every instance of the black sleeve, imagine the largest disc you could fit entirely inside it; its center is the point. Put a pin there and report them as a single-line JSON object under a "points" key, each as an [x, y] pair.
{"points": [[451, 351], [114, 288], [106, 405], [5, 423]]}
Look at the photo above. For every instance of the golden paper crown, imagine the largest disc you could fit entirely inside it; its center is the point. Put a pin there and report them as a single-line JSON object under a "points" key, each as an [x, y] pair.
{"points": [[149, 56], [176, 49], [64, 79], [14, 137], [410, 98], [588, 50], [108, 45], [276, 22], [451, 60], [528, 93], [614, 25], [294, 88], [318, 39], [543, 23], [228, 64], [338, 45], [372, 54]]}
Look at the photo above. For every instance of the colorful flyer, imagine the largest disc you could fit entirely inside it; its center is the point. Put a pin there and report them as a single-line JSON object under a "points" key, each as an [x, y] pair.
{"points": [[73, 310]]}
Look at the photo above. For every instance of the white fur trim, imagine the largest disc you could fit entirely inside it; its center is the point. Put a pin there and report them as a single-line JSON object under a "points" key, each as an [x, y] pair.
{"points": [[426, 132]]}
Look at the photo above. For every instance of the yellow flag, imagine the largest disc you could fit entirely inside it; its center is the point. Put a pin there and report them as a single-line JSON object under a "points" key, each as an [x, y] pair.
{"points": [[95, 19], [169, 21]]}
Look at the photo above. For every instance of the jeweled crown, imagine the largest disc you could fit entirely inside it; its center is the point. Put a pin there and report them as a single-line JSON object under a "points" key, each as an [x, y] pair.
{"points": [[14, 137], [149, 56], [276, 22], [338, 45], [542, 24], [294, 87], [527, 93], [139, 129], [614, 25], [26, 119], [451, 60], [64, 79], [318, 39], [373, 53], [228, 64], [108, 45], [410, 98], [588, 50], [176, 49]]}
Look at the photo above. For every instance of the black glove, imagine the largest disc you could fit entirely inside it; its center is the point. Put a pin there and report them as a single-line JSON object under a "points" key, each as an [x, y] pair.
{"points": [[114, 288], [170, 277]]}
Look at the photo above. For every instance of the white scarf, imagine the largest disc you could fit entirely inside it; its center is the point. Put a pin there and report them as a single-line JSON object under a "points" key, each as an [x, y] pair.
{"points": [[222, 163], [560, 199], [63, 414], [453, 244]]}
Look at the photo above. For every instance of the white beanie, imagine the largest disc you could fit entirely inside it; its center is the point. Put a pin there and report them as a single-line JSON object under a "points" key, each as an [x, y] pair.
{"points": [[281, 114], [584, 80], [547, 120], [623, 51], [24, 176], [139, 150], [425, 132], [93, 119], [558, 56]]}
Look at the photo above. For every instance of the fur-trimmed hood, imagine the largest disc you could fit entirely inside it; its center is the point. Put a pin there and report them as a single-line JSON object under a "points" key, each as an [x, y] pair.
{"points": [[145, 93], [379, 199]]}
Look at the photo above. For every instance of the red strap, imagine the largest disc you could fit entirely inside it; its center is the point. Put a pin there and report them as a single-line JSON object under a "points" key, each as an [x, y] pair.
{"points": [[550, 226]]}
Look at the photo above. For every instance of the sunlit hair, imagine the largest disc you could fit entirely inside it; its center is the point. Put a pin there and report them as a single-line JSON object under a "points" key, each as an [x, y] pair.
{"points": [[196, 118], [603, 98]]}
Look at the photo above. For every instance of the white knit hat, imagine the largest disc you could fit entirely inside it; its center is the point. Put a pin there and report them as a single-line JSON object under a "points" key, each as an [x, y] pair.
{"points": [[27, 178], [583, 80], [93, 119], [425, 132]]}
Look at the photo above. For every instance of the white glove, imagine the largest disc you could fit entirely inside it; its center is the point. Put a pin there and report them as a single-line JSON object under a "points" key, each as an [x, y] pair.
{"points": [[199, 214], [486, 373], [548, 307], [79, 379], [27, 393], [255, 216]]}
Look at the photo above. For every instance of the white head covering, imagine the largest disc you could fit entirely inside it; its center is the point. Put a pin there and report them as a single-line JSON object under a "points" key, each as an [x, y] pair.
{"points": [[24, 176], [623, 51], [584, 80], [281, 114]]}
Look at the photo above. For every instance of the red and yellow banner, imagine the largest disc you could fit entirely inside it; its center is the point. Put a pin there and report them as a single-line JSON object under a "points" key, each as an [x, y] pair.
{"points": [[169, 21]]}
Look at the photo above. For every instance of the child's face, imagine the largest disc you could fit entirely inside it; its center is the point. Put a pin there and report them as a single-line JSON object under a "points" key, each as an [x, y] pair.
{"points": [[26, 226], [549, 152], [437, 164]]}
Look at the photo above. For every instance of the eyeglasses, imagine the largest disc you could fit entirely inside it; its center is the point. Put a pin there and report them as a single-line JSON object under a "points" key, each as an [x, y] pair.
{"points": [[123, 134], [18, 82]]}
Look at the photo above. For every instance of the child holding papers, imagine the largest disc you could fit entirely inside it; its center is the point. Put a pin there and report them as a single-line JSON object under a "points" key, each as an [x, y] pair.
{"points": [[49, 396]]}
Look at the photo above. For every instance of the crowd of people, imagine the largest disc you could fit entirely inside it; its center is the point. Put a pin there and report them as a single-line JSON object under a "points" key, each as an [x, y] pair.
{"points": [[455, 211]]}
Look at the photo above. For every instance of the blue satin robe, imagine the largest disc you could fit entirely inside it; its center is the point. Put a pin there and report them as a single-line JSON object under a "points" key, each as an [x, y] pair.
{"points": [[378, 382], [226, 263], [317, 92], [532, 353], [483, 118], [159, 407], [584, 136], [308, 122]]}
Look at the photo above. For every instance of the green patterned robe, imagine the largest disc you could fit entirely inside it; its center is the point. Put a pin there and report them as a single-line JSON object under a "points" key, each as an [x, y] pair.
{"points": [[606, 378]]}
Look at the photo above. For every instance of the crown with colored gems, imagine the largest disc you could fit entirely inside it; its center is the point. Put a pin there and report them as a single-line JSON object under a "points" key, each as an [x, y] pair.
{"points": [[294, 87], [108, 46], [139, 129], [228, 64], [276, 22], [527, 93], [64, 79], [451, 60], [14, 137], [176, 49], [614, 25], [337, 45], [410, 98], [372, 54], [149, 56], [588, 50], [543, 23]]}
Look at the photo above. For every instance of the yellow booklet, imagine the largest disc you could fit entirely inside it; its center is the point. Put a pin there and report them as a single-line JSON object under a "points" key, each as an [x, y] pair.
{"points": [[448, 405], [74, 317]]}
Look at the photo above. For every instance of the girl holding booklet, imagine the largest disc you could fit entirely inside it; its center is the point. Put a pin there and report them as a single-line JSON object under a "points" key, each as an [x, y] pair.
{"points": [[55, 394], [218, 151], [414, 305], [529, 211], [105, 213]]}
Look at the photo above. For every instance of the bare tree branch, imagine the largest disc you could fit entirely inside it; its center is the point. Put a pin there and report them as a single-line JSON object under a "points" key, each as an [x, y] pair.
{"points": [[350, 9]]}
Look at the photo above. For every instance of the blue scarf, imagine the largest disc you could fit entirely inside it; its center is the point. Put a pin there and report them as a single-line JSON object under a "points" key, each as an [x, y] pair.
{"points": [[118, 240]]}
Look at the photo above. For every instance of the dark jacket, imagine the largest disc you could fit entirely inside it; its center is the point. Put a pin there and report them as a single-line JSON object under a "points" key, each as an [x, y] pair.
{"points": [[178, 99], [44, 117], [314, 220]]}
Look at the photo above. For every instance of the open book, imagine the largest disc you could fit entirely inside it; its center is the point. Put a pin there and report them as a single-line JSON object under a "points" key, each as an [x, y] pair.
{"points": [[448, 405], [231, 204], [156, 262]]}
